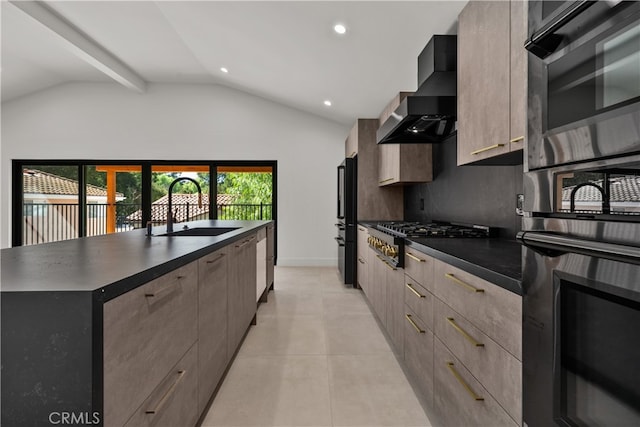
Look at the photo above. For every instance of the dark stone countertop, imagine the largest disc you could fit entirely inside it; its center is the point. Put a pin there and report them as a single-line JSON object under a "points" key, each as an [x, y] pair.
{"points": [[112, 264], [495, 260], [498, 261]]}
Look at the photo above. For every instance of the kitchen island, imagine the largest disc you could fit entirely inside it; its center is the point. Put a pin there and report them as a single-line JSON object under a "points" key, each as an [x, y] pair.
{"points": [[124, 329]]}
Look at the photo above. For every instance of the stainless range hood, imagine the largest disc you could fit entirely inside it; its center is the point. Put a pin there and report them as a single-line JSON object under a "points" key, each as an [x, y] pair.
{"points": [[429, 115]]}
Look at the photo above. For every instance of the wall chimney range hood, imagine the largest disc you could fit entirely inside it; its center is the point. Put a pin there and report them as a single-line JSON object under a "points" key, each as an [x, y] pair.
{"points": [[429, 115]]}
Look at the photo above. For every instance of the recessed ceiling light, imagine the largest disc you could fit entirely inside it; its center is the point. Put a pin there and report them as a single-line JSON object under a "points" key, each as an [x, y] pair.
{"points": [[224, 70], [327, 103], [339, 28]]}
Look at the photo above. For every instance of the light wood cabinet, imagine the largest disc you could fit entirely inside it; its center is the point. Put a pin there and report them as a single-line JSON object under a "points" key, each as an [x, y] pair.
{"points": [[418, 354], [491, 82], [174, 401], [459, 399], [379, 287], [494, 310], [403, 163], [362, 274], [374, 202], [395, 320], [496, 369], [261, 263], [271, 258], [212, 322], [242, 290], [146, 332]]}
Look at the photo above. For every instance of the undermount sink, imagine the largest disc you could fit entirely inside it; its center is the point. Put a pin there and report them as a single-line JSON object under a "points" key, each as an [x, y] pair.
{"points": [[201, 231]]}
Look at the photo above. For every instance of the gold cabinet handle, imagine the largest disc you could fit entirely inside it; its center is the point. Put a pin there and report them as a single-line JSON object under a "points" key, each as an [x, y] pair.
{"points": [[462, 382], [352, 154], [362, 229], [464, 333], [386, 180], [518, 139], [412, 289], [482, 150], [218, 258], [166, 394], [415, 326], [360, 261], [386, 263], [454, 279], [413, 257]]}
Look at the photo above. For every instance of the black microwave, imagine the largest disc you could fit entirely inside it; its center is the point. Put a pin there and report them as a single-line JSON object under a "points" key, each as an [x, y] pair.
{"points": [[584, 81]]}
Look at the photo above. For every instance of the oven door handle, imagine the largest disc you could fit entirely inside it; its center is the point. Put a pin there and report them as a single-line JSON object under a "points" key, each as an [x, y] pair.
{"points": [[562, 245], [544, 42]]}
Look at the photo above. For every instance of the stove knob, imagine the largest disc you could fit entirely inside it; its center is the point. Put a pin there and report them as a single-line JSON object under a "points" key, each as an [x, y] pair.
{"points": [[392, 252]]}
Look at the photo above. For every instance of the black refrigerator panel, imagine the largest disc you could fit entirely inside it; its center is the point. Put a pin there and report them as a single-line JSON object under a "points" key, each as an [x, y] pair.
{"points": [[346, 219]]}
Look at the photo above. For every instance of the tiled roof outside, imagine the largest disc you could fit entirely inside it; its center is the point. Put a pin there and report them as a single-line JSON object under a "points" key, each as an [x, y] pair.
{"points": [[179, 202], [624, 189], [39, 182]]}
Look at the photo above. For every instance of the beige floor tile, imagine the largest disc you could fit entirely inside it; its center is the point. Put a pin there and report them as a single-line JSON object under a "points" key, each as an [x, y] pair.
{"points": [[345, 302], [372, 391], [273, 391], [354, 334], [286, 303], [285, 335]]}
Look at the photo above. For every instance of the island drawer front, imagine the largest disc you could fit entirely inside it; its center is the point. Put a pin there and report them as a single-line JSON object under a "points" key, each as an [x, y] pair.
{"points": [[455, 393], [173, 402], [418, 355], [419, 266], [498, 370], [146, 332], [212, 322], [419, 300], [494, 310]]}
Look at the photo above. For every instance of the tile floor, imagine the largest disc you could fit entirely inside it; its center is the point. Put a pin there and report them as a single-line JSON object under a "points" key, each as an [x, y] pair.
{"points": [[316, 358]]}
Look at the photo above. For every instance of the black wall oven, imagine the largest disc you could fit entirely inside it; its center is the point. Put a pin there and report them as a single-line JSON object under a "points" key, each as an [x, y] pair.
{"points": [[584, 80], [581, 231]]}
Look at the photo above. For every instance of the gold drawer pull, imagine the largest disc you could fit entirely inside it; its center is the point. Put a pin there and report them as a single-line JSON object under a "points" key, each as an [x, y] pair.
{"points": [[463, 382], [362, 229], [482, 150], [245, 242], [386, 180], [352, 154], [518, 139], [218, 258], [167, 394], [412, 289], [415, 326], [454, 279], [464, 333], [413, 257], [360, 261]]}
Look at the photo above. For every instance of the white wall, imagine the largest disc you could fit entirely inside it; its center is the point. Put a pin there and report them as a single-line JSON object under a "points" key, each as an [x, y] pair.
{"points": [[188, 122]]}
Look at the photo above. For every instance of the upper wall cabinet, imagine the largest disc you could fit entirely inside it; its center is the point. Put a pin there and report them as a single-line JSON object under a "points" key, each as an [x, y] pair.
{"points": [[403, 163], [374, 202], [492, 82]]}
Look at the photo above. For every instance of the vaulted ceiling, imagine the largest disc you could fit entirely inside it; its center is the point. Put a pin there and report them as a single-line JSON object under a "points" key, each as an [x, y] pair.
{"points": [[284, 51]]}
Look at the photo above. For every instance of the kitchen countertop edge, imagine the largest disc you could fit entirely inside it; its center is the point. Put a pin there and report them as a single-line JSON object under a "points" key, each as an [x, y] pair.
{"points": [[187, 249]]}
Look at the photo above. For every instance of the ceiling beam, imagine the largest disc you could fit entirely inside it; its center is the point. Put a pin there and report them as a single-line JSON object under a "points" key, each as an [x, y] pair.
{"points": [[82, 45]]}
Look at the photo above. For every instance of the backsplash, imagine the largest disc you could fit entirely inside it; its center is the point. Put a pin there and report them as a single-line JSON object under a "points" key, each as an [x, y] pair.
{"points": [[466, 194]]}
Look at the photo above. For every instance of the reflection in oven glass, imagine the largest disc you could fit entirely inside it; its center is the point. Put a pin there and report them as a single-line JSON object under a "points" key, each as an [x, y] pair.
{"points": [[599, 193]]}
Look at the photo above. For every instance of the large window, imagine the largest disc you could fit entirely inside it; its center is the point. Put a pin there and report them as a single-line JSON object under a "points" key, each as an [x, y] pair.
{"points": [[63, 199]]}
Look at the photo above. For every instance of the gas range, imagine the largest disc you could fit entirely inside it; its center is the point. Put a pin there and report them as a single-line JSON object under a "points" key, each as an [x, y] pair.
{"points": [[434, 229], [387, 238]]}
